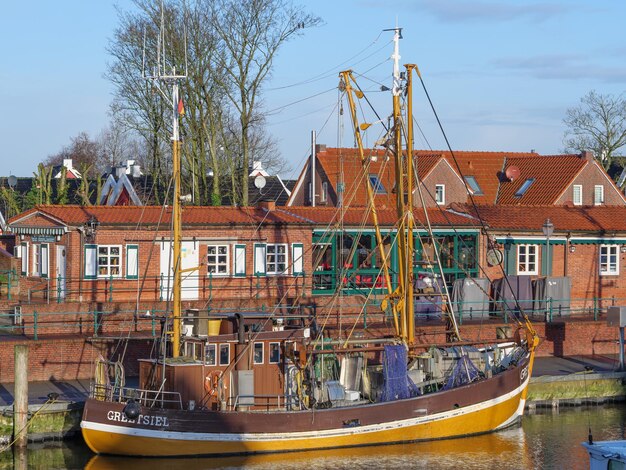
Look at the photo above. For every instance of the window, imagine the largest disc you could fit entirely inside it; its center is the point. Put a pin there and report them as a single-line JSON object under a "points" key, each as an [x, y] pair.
{"points": [[276, 258], [210, 358], [109, 260], [260, 250], [310, 187], [224, 354], [240, 260], [24, 253], [598, 194], [274, 353], [258, 353], [609, 260], [577, 196], [440, 193], [40, 259], [217, 260], [132, 261], [473, 185], [527, 259], [297, 255], [377, 186], [522, 190], [324, 191]]}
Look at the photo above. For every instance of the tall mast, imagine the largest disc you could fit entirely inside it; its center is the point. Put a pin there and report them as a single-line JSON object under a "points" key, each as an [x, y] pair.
{"points": [[166, 75]]}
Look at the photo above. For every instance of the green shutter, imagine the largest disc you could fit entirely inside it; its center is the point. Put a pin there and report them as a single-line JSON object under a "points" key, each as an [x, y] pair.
{"points": [[510, 259]]}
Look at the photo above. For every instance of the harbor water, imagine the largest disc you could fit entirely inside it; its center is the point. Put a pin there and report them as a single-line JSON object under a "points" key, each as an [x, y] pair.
{"points": [[545, 440]]}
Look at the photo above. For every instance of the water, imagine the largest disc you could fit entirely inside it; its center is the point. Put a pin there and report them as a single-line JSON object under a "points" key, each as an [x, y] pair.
{"points": [[544, 441]]}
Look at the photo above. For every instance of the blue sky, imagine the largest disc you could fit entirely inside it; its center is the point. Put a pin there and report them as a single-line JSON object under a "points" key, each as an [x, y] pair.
{"points": [[501, 73]]}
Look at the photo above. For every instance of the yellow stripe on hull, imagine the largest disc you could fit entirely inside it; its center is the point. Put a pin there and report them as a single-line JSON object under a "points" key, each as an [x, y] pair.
{"points": [[483, 420]]}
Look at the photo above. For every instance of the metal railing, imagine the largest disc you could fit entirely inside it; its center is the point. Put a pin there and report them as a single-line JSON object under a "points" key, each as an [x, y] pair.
{"points": [[147, 398]]}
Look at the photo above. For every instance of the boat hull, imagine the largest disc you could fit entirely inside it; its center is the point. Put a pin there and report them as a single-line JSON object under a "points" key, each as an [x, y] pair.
{"points": [[477, 408]]}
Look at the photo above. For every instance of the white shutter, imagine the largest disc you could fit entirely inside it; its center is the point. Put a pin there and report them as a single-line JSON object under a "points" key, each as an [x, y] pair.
{"points": [[44, 259], [91, 261], [132, 261], [297, 255], [240, 261], [24, 259], [260, 258]]}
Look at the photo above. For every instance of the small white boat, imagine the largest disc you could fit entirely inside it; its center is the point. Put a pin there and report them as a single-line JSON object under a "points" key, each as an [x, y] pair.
{"points": [[606, 455]]}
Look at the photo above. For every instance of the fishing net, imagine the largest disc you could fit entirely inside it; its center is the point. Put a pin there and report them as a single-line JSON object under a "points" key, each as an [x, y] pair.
{"points": [[464, 372], [397, 384]]}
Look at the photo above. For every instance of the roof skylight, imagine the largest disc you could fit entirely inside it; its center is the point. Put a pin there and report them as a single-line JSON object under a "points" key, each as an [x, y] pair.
{"points": [[522, 190]]}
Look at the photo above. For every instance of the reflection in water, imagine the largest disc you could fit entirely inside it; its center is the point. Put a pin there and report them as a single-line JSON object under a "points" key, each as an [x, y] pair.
{"points": [[546, 440]]}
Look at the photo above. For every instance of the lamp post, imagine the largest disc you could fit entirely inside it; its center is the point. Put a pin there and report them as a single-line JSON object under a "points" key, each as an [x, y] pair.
{"points": [[548, 230]]}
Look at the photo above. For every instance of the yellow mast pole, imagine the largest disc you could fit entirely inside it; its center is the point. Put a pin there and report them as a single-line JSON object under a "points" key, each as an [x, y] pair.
{"points": [[409, 202], [177, 228], [347, 81]]}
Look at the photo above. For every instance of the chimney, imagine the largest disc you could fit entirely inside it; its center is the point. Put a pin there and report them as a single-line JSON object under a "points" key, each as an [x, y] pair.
{"points": [[587, 155], [267, 204], [67, 163], [320, 148]]}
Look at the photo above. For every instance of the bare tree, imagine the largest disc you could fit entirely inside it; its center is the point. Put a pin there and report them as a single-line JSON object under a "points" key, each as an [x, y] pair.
{"points": [[252, 32], [82, 150], [598, 123]]}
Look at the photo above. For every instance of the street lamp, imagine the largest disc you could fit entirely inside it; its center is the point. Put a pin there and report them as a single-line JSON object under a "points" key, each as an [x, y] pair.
{"points": [[548, 230]]}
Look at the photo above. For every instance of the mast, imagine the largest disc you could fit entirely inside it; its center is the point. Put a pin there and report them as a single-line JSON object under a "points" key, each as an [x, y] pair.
{"points": [[166, 74]]}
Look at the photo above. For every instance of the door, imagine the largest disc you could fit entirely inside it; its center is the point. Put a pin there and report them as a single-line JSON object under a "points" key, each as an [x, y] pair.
{"points": [[60, 272], [190, 280]]}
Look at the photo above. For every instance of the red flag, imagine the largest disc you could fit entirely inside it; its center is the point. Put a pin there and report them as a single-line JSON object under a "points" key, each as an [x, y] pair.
{"points": [[181, 107]]}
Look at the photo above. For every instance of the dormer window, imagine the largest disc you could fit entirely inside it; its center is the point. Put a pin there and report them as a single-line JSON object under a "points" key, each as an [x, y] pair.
{"points": [[473, 185], [377, 186], [527, 184]]}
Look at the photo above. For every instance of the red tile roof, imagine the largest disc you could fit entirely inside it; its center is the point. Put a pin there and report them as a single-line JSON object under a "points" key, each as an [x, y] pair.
{"points": [[484, 166], [552, 175], [565, 218], [153, 215]]}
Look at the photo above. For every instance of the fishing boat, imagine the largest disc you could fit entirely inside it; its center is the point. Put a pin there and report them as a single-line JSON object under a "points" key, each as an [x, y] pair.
{"points": [[270, 381], [605, 455]]}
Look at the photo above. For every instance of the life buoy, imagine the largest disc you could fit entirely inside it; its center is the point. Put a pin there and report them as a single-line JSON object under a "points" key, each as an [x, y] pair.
{"points": [[211, 381]]}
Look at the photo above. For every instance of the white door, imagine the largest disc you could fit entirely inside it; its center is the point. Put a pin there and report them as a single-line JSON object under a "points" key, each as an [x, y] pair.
{"points": [[60, 272], [189, 259]]}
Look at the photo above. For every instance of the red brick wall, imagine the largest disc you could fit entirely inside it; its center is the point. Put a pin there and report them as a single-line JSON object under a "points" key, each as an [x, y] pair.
{"points": [[65, 358], [593, 175], [441, 174]]}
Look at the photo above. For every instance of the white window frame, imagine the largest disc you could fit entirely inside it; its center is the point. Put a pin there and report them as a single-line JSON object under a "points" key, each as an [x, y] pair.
{"points": [[24, 253], [219, 358], [207, 347], [271, 267], [36, 267], [324, 196], [440, 194], [597, 187], [297, 256], [259, 260], [578, 201], [262, 353], [609, 268], [91, 261], [527, 248], [269, 353], [108, 266], [216, 263]]}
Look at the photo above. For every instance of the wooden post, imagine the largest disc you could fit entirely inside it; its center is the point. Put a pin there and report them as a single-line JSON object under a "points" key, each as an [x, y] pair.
{"points": [[20, 404]]}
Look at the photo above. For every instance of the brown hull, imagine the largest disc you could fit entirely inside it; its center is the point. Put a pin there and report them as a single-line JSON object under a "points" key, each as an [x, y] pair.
{"points": [[472, 409]]}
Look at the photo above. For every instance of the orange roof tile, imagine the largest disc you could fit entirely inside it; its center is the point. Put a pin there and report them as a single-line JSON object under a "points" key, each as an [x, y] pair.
{"points": [[564, 218], [552, 175]]}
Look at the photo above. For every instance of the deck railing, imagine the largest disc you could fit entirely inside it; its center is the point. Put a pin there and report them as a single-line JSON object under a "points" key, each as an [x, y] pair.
{"points": [[147, 398]]}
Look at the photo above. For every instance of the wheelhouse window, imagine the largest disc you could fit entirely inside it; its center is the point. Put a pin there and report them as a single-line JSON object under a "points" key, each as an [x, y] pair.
{"points": [[473, 185], [276, 258], [440, 194], [525, 186], [377, 185], [217, 260], [274, 353], [527, 259], [210, 356], [258, 353], [224, 354], [609, 260], [109, 260]]}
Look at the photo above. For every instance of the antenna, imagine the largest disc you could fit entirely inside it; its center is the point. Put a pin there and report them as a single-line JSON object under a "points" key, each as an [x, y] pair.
{"points": [[12, 180], [397, 35]]}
